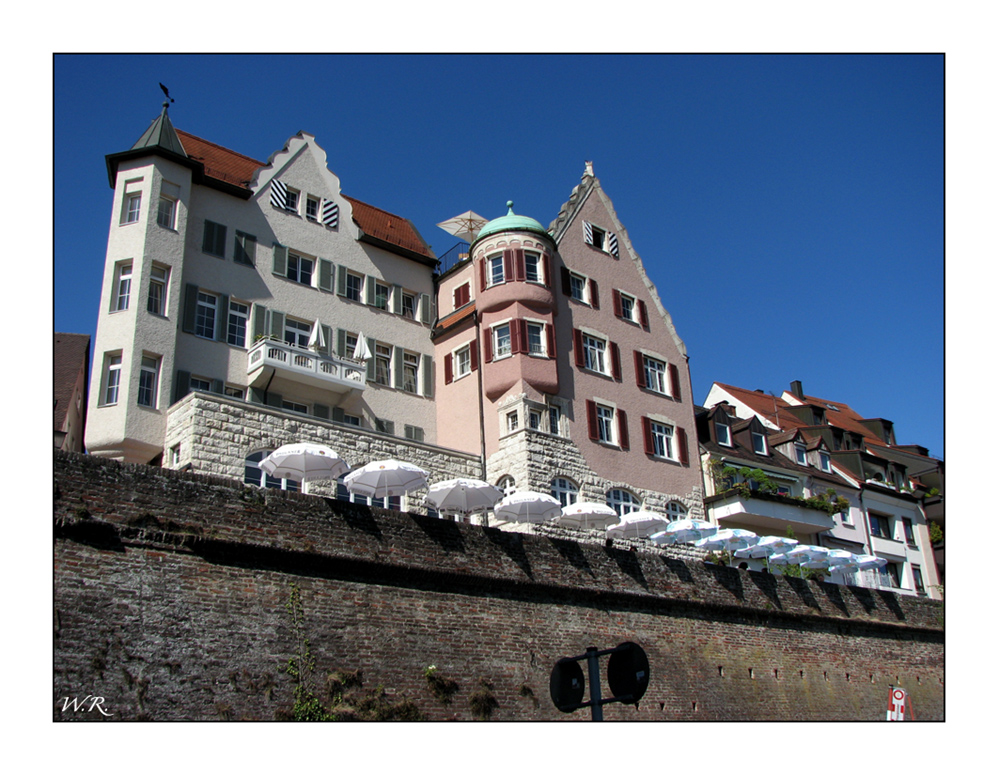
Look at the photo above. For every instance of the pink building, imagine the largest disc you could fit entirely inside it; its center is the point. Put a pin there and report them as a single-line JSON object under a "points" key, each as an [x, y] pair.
{"points": [[562, 367]]}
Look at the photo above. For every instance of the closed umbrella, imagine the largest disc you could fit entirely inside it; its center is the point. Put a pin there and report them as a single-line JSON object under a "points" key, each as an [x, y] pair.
{"points": [[527, 506], [380, 479], [684, 532], [305, 462], [587, 515], [463, 495], [640, 524]]}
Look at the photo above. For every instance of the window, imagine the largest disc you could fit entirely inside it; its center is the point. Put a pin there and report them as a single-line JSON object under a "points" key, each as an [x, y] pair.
{"points": [[626, 306], [554, 420], [381, 296], [507, 484], [300, 269], [577, 287], [655, 374], [234, 392], [353, 287], [122, 287], [536, 339], [414, 433], [880, 525], [799, 454], [254, 475], [532, 268], [910, 536], [783, 490], [662, 440], [408, 306], [496, 275], [239, 313], [463, 362], [598, 236], [565, 490], [352, 420], [291, 200], [759, 443], [824, 462], [676, 511], [917, 579], [723, 433], [166, 212], [501, 341], [410, 371], [388, 502], [132, 208], [295, 406], [214, 240], [200, 384], [175, 455], [593, 354], [158, 278], [605, 424], [112, 379], [312, 208], [891, 569], [297, 333], [383, 364], [623, 501], [512, 421], [534, 420], [245, 249], [204, 319], [149, 378]]}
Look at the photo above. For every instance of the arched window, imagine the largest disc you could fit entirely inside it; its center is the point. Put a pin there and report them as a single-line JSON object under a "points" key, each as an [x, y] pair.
{"points": [[388, 502], [623, 501], [676, 511], [254, 475], [507, 484], [565, 490]]}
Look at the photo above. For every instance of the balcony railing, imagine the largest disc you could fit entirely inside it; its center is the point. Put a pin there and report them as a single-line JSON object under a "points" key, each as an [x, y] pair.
{"points": [[330, 372]]}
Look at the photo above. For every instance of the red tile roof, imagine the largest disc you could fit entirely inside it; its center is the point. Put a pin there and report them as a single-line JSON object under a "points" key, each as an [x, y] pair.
{"points": [[68, 357], [456, 317], [234, 168]]}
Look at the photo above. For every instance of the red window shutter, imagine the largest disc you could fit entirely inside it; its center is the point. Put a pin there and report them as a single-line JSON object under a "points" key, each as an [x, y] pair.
{"points": [[487, 344], [622, 430], [647, 433], [640, 370], [643, 314], [518, 336], [566, 281], [520, 264], [550, 332], [681, 438], [448, 374], [547, 262], [591, 419], [473, 355], [577, 347], [594, 295], [615, 353], [674, 381], [616, 295], [508, 263]]}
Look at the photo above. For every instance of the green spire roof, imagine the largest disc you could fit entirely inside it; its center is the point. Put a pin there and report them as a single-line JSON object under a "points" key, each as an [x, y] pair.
{"points": [[161, 134], [511, 222]]}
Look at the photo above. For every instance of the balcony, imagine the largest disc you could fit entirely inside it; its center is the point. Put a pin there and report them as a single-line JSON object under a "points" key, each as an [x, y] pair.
{"points": [[768, 512], [331, 373]]}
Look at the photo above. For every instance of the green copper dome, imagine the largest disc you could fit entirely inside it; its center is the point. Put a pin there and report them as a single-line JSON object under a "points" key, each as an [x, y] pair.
{"points": [[511, 222]]}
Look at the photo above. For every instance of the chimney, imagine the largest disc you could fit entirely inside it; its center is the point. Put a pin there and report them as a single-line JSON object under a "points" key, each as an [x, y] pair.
{"points": [[796, 389]]}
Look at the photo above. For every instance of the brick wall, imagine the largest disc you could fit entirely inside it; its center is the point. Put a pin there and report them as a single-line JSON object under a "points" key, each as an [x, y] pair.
{"points": [[172, 592]]}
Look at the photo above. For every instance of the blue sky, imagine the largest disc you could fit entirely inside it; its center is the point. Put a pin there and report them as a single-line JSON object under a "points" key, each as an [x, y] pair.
{"points": [[790, 208]]}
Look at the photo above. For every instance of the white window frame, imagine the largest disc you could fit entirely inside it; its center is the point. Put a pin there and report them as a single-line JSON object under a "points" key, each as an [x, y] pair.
{"points": [[149, 381], [301, 269], [354, 292], [595, 353], [200, 384], [632, 305], [496, 271], [408, 305], [292, 198], [824, 461], [533, 264], [675, 511], [410, 372], [801, 453], [207, 306], [512, 421], [122, 286], [111, 380], [462, 359], [554, 420], [506, 349], [239, 318], [623, 501], [312, 208], [606, 427], [234, 392], [662, 440], [383, 364], [295, 406], [599, 237], [297, 333], [578, 283], [755, 437], [166, 218], [131, 209], [656, 378], [540, 347], [159, 282], [254, 475], [565, 490], [727, 441], [507, 484]]}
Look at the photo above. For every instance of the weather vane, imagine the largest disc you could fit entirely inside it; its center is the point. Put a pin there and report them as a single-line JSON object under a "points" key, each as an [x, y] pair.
{"points": [[167, 93]]}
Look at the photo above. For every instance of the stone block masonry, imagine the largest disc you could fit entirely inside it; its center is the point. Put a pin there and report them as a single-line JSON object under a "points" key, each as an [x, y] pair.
{"points": [[172, 599]]}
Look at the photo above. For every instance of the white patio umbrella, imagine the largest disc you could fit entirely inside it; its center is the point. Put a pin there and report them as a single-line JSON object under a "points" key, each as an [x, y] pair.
{"points": [[316, 339], [361, 350], [527, 506], [684, 531], [729, 539], [380, 479], [807, 553], [465, 226], [767, 547], [640, 524], [463, 495], [866, 562], [305, 462], [586, 515]]}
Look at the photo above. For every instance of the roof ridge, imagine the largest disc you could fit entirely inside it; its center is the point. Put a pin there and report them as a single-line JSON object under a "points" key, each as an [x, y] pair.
{"points": [[216, 145]]}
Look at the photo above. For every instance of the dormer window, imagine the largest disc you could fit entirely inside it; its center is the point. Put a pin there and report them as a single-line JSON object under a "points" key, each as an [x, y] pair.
{"points": [[723, 433], [824, 461], [799, 454], [760, 443]]}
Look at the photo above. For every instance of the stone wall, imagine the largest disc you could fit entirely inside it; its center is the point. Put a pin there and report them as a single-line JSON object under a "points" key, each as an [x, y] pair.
{"points": [[172, 595]]}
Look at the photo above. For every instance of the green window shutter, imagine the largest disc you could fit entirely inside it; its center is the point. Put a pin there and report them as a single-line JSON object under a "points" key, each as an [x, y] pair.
{"points": [[222, 325], [341, 343], [277, 325], [190, 307], [426, 314], [338, 414], [397, 300], [280, 260], [428, 376], [397, 371], [326, 274], [256, 395], [217, 386], [181, 385], [259, 322], [341, 280], [369, 290], [321, 411], [327, 348], [274, 399]]}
